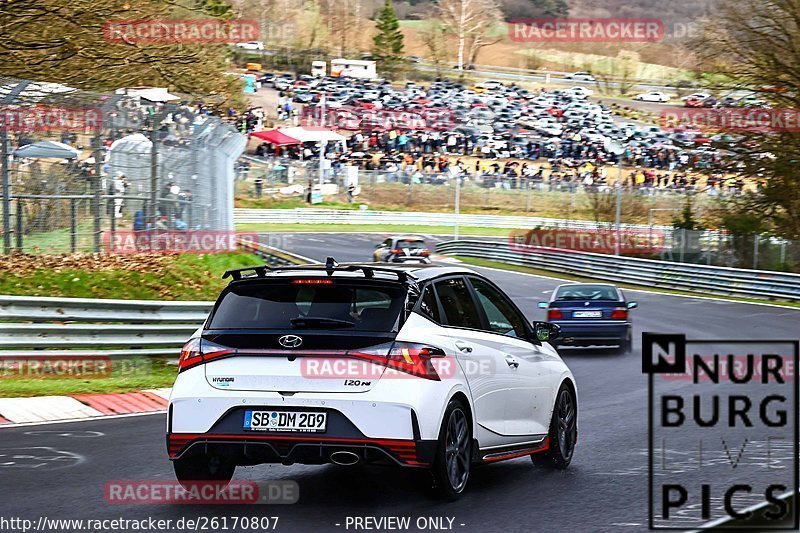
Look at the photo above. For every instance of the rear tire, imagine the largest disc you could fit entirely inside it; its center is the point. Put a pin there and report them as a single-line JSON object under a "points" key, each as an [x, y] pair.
{"points": [[563, 432], [451, 467], [190, 469], [626, 346]]}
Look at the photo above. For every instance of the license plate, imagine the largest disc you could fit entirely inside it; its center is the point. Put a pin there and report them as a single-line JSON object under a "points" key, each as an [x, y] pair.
{"points": [[285, 421], [587, 314]]}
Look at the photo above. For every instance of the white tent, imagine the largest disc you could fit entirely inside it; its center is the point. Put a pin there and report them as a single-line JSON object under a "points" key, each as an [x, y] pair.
{"points": [[47, 150], [130, 156], [308, 135], [151, 94]]}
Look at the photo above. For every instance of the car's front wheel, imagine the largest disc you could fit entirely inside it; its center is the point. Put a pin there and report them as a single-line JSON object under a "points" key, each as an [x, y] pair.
{"points": [[200, 467], [451, 467], [563, 432]]}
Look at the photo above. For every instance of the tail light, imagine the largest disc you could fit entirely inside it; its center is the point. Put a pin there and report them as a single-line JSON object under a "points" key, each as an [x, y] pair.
{"points": [[198, 351], [397, 251], [619, 313], [407, 357], [425, 251], [554, 314], [414, 359]]}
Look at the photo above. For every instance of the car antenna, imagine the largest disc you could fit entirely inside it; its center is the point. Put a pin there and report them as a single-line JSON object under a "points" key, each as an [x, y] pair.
{"points": [[330, 264]]}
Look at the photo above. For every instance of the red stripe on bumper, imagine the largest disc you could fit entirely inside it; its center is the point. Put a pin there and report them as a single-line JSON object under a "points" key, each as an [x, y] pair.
{"points": [[405, 450]]}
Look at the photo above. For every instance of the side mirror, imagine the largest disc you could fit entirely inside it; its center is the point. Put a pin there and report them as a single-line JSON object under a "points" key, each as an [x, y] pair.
{"points": [[545, 331], [542, 305], [632, 305]]}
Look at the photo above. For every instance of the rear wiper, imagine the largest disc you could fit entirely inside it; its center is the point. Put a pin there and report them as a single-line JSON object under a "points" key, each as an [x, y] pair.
{"points": [[308, 321]]}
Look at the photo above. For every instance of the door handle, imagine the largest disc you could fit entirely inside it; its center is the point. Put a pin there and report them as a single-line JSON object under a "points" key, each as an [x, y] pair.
{"points": [[513, 363], [464, 347]]}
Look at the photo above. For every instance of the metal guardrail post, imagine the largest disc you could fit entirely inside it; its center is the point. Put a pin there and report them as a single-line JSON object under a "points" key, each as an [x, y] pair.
{"points": [[5, 177], [5, 170], [755, 252], [20, 228], [96, 186], [73, 225], [112, 210]]}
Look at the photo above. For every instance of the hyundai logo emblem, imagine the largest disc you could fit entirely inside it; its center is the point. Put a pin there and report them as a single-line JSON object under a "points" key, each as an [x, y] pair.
{"points": [[290, 341]]}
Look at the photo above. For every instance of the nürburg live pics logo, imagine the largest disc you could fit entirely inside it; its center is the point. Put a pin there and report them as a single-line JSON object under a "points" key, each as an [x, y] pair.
{"points": [[723, 433]]}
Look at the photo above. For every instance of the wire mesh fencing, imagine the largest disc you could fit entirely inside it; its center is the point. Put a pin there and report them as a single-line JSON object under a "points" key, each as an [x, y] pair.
{"points": [[79, 167], [281, 182]]}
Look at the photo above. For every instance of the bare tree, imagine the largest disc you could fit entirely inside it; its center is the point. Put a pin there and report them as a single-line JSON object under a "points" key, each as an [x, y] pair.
{"points": [[754, 43], [433, 37], [470, 21]]}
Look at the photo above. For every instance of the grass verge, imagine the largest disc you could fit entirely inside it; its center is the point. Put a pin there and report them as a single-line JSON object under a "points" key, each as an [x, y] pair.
{"points": [[135, 277], [475, 261], [127, 374]]}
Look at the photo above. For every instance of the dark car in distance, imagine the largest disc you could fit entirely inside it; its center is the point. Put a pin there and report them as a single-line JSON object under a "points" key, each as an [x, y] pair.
{"points": [[591, 314]]}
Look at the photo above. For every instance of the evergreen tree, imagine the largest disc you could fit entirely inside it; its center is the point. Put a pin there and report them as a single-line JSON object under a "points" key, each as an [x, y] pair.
{"points": [[388, 42]]}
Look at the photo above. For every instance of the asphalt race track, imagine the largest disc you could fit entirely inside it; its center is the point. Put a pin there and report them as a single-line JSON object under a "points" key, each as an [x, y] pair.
{"points": [[60, 470]]}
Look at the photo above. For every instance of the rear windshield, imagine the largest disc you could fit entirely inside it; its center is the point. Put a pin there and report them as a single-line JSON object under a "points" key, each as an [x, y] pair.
{"points": [[414, 245], [587, 292], [298, 304]]}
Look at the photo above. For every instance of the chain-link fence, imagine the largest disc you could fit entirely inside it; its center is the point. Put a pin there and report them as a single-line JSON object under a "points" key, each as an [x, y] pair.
{"points": [[272, 182], [79, 167]]}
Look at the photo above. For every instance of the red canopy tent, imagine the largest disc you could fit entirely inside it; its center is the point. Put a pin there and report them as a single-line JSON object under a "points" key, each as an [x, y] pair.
{"points": [[275, 137]]}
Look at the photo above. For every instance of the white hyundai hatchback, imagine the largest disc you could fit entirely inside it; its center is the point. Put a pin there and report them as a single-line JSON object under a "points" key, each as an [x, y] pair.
{"points": [[418, 366]]}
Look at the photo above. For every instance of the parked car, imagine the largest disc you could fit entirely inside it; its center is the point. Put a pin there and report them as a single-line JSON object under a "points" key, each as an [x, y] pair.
{"points": [[652, 96], [251, 45], [580, 76], [581, 92]]}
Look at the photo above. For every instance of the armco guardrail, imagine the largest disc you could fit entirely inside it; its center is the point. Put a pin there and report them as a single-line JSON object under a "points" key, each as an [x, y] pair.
{"points": [[344, 216], [91, 309], [96, 326], [681, 276], [86, 326]]}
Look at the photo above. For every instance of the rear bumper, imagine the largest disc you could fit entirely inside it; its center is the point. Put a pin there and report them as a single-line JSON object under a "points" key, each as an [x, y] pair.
{"points": [[228, 438], [409, 259], [393, 417], [593, 334], [311, 450]]}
